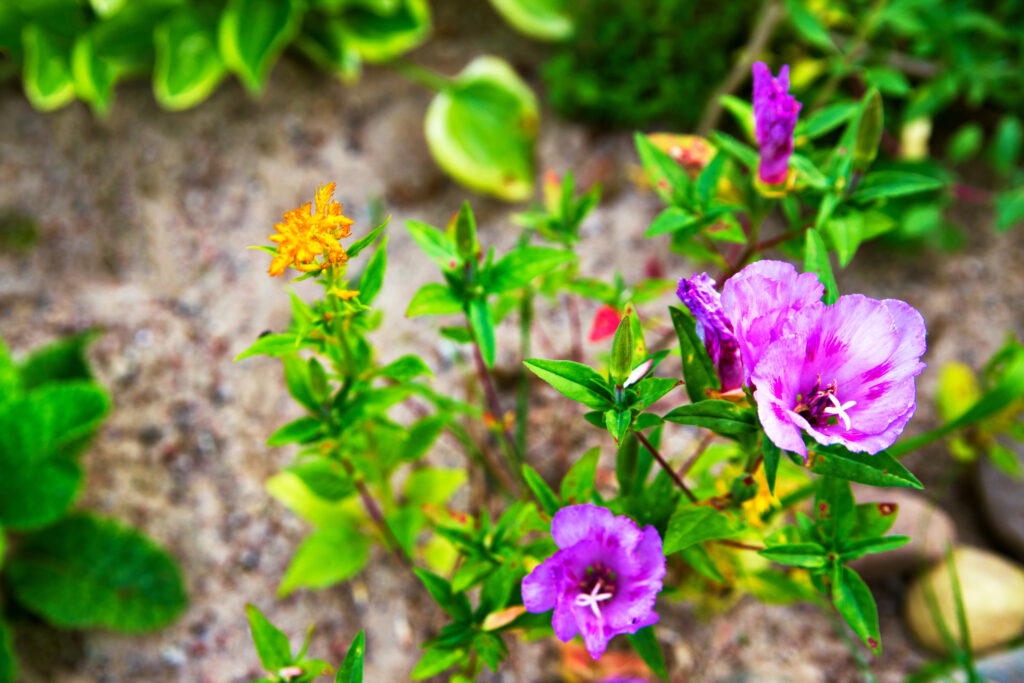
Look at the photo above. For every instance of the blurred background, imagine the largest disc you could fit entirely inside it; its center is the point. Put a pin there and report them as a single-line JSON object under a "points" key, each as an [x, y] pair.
{"points": [[144, 145]]}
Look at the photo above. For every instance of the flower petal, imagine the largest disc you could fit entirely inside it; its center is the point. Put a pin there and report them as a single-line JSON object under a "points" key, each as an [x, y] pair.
{"points": [[577, 523], [540, 587]]}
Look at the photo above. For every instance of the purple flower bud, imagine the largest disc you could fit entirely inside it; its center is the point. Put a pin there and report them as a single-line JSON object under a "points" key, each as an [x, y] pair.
{"points": [[604, 579], [698, 293], [775, 114], [844, 374]]}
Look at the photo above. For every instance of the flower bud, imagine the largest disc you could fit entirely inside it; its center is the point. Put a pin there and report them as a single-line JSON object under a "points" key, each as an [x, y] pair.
{"points": [[622, 352]]}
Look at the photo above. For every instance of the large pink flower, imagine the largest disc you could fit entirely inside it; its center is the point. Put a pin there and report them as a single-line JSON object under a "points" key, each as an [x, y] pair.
{"points": [[843, 373]]}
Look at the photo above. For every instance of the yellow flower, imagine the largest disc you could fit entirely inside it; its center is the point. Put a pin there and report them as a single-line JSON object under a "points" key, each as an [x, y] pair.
{"points": [[307, 234]]}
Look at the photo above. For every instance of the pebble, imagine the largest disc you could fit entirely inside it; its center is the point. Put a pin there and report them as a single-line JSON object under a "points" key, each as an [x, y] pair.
{"points": [[993, 595], [930, 530], [1002, 503]]}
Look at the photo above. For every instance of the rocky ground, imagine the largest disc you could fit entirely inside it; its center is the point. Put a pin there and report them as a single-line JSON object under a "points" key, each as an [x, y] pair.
{"points": [[144, 219]]}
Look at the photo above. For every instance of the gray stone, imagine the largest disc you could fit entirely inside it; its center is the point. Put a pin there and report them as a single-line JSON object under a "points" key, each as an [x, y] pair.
{"points": [[1002, 503]]}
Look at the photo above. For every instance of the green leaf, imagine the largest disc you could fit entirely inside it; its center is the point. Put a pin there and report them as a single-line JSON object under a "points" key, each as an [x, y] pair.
{"points": [[845, 235], [297, 378], [380, 36], [351, 670], [853, 599], [874, 519], [549, 20], [296, 431], [826, 119], [669, 179], [675, 220], [869, 135], [326, 557], [294, 493], [617, 423], [880, 469], [433, 485], [646, 645], [482, 324], [8, 663], [405, 368], [357, 247], [699, 559], [1007, 142], [883, 184], [834, 510], [94, 78], [89, 572], [809, 27], [433, 298], [742, 111], [816, 259], [692, 524], [632, 465], [274, 345], [422, 436], [455, 604], [545, 496], [326, 479], [772, 454], [722, 417], [438, 247], [575, 380], [373, 277], [743, 153], [865, 546], [60, 361], [253, 33], [434, 661], [810, 555], [47, 77], [40, 479], [271, 644], [520, 267], [578, 483], [481, 130], [698, 370]]}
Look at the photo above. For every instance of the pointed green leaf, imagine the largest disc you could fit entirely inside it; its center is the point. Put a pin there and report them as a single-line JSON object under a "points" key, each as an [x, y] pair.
{"points": [[351, 670], [326, 557], [880, 469], [722, 417], [545, 496], [253, 33], [645, 642], [855, 603], [550, 20], [575, 380], [816, 260], [272, 645], [433, 298], [691, 524], [578, 483], [698, 370]]}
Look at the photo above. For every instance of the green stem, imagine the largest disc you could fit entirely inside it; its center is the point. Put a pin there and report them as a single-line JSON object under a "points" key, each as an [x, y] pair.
{"points": [[491, 396], [523, 388], [420, 75]]}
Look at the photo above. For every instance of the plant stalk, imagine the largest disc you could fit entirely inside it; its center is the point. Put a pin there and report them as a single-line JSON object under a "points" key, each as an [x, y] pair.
{"points": [[665, 466]]}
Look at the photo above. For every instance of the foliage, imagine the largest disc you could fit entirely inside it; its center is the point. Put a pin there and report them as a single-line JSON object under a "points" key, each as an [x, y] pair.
{"points": [[74, 569], [480, 127], [281, 665], [626, 65]]}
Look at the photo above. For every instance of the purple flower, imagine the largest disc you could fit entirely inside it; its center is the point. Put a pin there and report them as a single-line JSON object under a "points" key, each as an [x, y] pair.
{"points": [[844, 374], [604, 579], [775, 114], [700, 296], [750, 314], [761, 299]]}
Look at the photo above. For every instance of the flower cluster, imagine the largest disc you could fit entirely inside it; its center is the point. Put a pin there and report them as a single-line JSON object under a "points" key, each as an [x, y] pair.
{"points": [[775, 114], [843, 373], [604, 579], [307, 234]]}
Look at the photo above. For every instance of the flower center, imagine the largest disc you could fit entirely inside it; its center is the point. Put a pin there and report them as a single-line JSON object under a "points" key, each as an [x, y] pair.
{"points": [[821, 407], [595, 589]]}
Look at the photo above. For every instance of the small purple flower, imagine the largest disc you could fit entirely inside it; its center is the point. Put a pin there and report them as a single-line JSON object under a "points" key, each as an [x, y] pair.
{"points": [[604, 579], [699, 295], [751, 312], [845, 375], [775, 114]]}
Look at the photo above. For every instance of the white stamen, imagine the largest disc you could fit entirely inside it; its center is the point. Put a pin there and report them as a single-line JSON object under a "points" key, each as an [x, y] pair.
{"points": [[592, 598], [839, 409]]}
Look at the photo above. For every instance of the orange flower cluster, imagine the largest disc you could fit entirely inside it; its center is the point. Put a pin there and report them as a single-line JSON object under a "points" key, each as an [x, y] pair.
{"points": [[307, 234]]}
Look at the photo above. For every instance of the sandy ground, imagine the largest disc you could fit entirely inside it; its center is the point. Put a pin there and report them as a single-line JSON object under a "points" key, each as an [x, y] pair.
{"points": [[144, 221]]}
